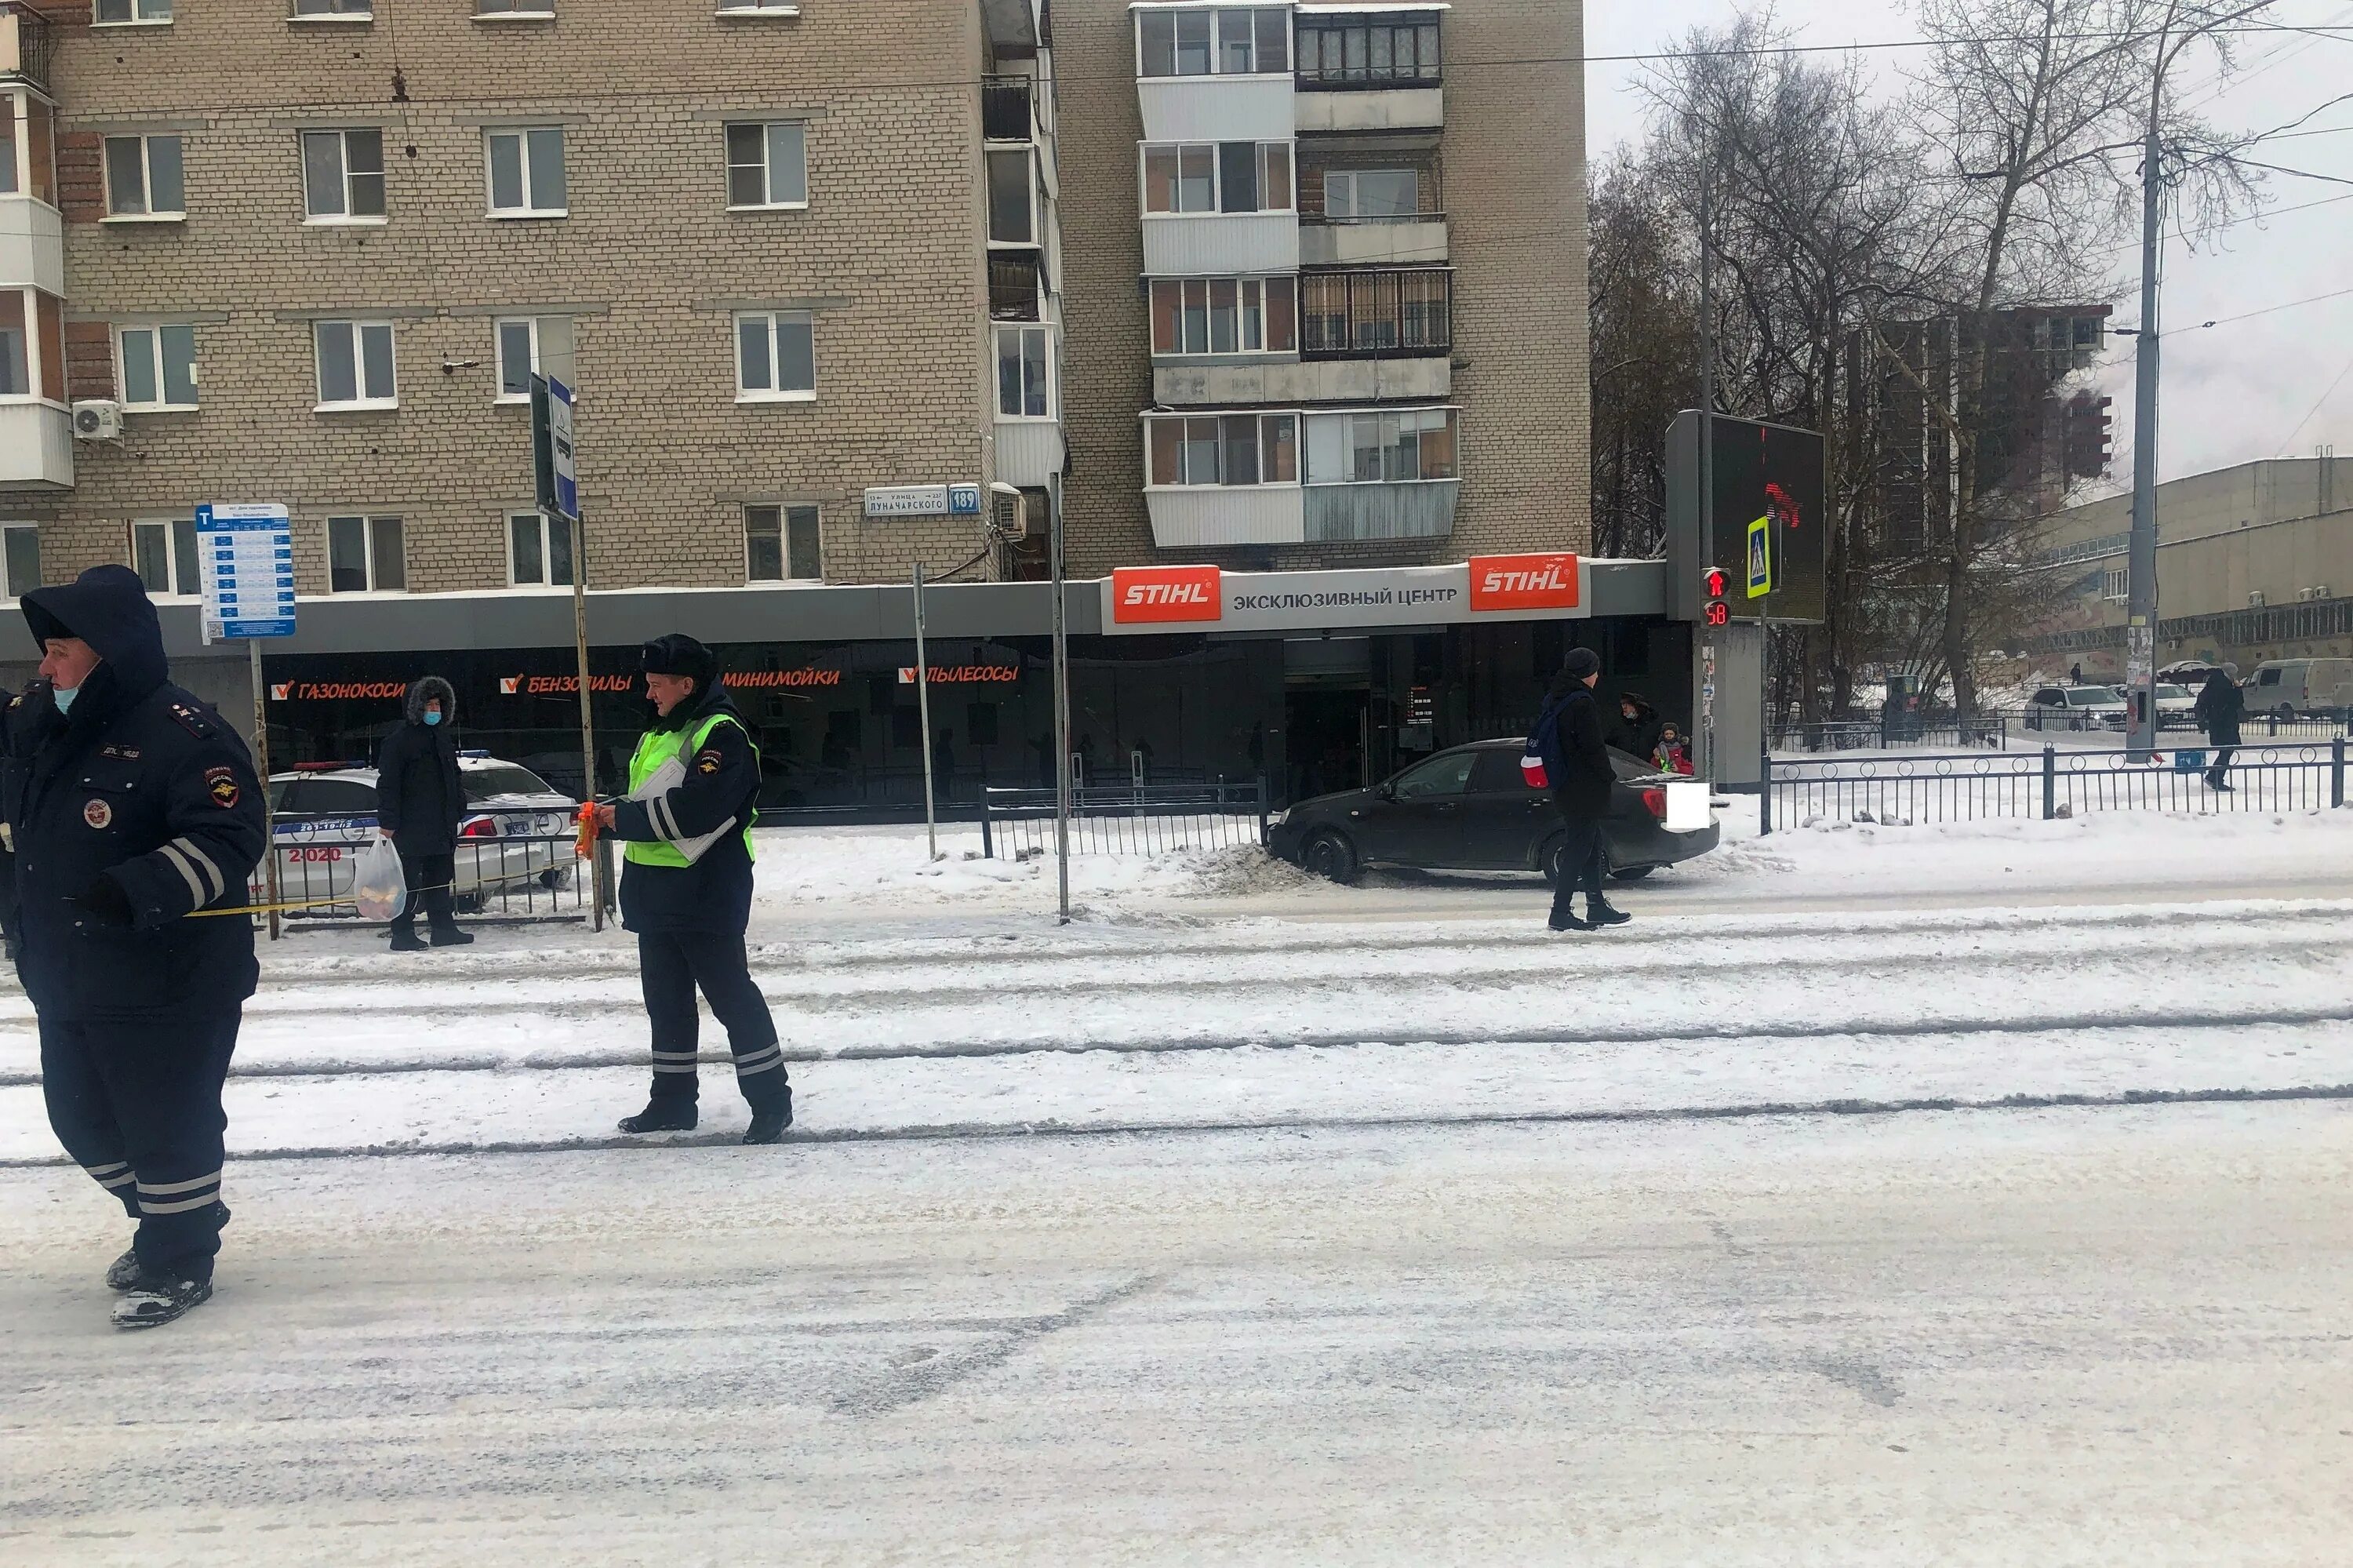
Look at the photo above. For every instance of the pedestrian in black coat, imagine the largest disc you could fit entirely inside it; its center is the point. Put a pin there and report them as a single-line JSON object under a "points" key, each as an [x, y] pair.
{"points": [[1636, 727], [2220, 704], [419, 800], [1577, 765], [128, 806]]}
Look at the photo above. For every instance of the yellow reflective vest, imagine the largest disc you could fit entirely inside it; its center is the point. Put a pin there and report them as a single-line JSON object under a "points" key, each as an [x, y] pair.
{"points": [[658, 747]]}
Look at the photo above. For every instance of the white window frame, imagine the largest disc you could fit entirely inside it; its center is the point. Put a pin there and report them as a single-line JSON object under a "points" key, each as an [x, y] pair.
{"points": [[777, 10], [514, 11], [155, 352], [1218, 41], [361, 16], [1030, 186], [1350, 177], [1266, 418], [147, 212], [185, 576], [370, 521], [359, 326], [132, 16], [347, 218], [1020, 331], [548, 528], [1454, 424], [1242, 286], [523, 135], [1216, 207], [539, 361], [768, 129], [775, 394], [784, 511], [9, 593]]}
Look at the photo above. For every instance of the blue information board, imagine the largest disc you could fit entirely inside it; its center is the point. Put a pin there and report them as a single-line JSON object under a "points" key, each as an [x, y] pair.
{"points": [[245, 553]]}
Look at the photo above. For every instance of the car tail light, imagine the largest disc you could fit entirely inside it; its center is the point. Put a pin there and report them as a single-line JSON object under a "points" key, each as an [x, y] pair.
{"points": [[1656, 799], [480, 828]]}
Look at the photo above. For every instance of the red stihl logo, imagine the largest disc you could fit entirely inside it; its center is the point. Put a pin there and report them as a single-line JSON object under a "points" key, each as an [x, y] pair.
{"points": [[1141, 595], [1523, 582]]}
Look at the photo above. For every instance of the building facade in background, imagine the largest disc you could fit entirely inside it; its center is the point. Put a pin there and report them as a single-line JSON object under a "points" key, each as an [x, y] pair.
{"points": [[2253, 562], [841, 289]]}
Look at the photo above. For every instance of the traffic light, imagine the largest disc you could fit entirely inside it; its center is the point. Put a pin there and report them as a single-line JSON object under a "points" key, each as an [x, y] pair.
{"points": [[1713, 611]]}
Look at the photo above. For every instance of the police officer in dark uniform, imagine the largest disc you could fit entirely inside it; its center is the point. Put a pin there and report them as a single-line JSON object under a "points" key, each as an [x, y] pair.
{"points": [[129, 805], [686, 888]]}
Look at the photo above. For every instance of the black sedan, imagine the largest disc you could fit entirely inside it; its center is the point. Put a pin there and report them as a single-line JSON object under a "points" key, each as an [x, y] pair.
{"points": [[1470, 809]]}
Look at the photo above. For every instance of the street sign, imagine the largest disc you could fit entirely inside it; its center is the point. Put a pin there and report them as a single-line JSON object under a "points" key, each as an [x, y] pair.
{"points": [[1760, 556], [551, 432], [923, 501], [1761, 469], [244, 556]]}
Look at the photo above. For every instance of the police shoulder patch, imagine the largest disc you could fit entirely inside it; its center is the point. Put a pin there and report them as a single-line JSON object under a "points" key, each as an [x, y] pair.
{"points": [[707, 761], [191, 719], [221, 784]]}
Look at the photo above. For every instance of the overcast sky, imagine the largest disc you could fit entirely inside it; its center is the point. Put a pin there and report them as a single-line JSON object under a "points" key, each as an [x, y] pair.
{"points": [[2232, 393]]}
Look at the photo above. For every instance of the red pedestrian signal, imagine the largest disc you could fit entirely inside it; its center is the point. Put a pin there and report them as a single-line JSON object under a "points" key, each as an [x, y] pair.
{"points": [[1718, 613], [1714, 582]]}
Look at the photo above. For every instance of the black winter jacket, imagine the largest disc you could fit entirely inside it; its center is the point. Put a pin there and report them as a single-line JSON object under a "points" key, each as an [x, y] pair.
{"points": [[418, 795], [2220, 704], [1581, 783], [141, 784], [722, 782], [1638, 735]]}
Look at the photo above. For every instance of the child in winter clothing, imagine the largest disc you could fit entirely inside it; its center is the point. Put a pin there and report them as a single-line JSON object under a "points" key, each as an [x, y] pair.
{"points": [[1671, 755]]}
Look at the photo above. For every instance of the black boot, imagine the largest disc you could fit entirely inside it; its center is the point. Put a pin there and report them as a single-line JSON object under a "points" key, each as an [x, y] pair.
{"points": [[770, 1119], [661, 1115], [450, 937], [1562, 920], [154, 1299], [405, 941], [1597, 910], [123, 1272]]}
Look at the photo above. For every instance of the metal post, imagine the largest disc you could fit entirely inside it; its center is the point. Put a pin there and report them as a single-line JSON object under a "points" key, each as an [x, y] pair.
{"points": [[923, 721], [262, 767], [1765, 793], [2050, 782], [2337, 773], [987, 837], [1061, 698], [587, 714], [1707, 442], [2140, 580]]}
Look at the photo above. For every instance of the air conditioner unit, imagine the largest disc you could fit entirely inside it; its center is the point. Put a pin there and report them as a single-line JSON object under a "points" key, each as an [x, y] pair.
{"points": [[2310, 593], [2256, 600], [98, 420], [1013, 517]]}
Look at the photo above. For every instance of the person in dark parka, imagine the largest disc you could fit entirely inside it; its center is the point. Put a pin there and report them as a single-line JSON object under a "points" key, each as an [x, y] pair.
{"points": [[1636, 727], [129, 805], [2220, 704], [686, 888], [1577, 763], [419, 800]]}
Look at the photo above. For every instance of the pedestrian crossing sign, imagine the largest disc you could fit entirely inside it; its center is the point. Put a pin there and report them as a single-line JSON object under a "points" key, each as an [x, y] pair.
{"points": [[1760, 556]]}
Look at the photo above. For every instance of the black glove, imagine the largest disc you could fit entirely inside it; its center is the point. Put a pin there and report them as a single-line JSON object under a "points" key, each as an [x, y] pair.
{"points": [[106, 904]]}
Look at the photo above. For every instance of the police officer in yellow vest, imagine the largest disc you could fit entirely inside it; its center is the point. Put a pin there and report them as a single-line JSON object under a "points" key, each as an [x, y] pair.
{"points": [[686, 888]]}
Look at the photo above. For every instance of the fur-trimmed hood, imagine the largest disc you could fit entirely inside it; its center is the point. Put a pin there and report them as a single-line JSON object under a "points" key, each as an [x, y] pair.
{"points": [[423, 690]]}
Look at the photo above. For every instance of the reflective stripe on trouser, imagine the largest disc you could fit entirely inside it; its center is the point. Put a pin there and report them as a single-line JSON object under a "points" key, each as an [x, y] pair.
{"points": [[138, 1106], [671, 966]]}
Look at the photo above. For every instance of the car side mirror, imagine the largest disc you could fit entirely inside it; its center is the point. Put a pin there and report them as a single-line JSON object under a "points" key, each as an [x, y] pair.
{"points": [[1386, 789]]}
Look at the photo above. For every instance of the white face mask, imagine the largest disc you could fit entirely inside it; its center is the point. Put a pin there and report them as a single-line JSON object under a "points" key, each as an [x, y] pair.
{"points": [[64, 697]]}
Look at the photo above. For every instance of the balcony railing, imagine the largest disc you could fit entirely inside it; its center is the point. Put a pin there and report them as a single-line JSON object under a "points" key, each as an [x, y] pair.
{"points": [[1016, 284], [1376, 315], [26, 43], [1005, 113]]}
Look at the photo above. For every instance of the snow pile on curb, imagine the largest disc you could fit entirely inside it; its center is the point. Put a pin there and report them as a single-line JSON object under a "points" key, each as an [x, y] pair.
{"points": [[798, 867]]}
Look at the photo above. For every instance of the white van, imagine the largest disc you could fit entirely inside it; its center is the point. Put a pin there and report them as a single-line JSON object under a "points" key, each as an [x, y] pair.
{"points": [[2293, 688]]}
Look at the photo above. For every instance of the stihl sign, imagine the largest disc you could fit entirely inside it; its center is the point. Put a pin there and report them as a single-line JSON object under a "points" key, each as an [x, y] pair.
{"points": [[1522, 582], [1144, 596]]}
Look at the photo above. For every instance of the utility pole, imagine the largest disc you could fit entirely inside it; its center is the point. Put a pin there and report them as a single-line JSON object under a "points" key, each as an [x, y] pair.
{"points": [[1707, 467], [2140, 578], [924, 723]]}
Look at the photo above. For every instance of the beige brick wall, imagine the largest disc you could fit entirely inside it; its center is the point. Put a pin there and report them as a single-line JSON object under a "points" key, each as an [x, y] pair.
{"points": [[1514, 155], [648, 261]]}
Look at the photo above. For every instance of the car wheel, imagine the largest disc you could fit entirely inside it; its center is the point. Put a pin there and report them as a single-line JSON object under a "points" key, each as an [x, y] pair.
{"points": [[1331, 856], [1630, 872]]}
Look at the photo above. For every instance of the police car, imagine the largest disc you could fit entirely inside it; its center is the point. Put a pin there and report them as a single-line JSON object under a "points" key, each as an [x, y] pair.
{"points": [[516, 831]]}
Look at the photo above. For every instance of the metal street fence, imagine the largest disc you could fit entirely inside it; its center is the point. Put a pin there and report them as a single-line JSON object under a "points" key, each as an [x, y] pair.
{"points": [[1151, 819], [1910, 791], [1993, 732], [517, 878]]}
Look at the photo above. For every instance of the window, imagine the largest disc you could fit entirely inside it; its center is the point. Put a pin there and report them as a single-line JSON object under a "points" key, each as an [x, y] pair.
{"points": [[527, 172], [1383, 447], [1337, 52], [164, 554], [363, 556], [776, 357], [1217, 176], [539, 550], [126, 12], [1024, 373], [342, 176], [333, 10], [1375, 312], [36, 174], [1224, 449], [780, 544], [1010, 218], [24, 553], [759, 7], [355, 364], [1371, 193], [2116, 583], [518, 8], [32, 345], [528, 344], [767, 166], [1447, 775], [143, 177], [1239, 41], [159, 366], [1224, 315]]}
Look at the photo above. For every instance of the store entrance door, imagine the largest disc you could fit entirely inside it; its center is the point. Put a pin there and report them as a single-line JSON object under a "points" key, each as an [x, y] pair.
{"points": [[1326, 735]]}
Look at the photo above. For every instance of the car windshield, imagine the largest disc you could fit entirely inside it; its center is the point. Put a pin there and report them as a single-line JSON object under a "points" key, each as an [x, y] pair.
{"points": [[502, 778], [2174, 694], [2093, 695]]}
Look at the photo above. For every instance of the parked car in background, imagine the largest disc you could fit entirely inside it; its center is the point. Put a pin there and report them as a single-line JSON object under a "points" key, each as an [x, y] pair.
{"points": [[2192, 672], [2176, 707], [1470, 808], [516, 827], [2297, 688], [2074, 707]]}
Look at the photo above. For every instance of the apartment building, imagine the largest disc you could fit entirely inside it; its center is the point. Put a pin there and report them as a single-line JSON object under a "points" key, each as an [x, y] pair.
{"points": [[1289, 295]]}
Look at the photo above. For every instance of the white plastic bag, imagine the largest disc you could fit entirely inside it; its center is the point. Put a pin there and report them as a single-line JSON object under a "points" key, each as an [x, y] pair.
{"points": [[379, 886]]}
